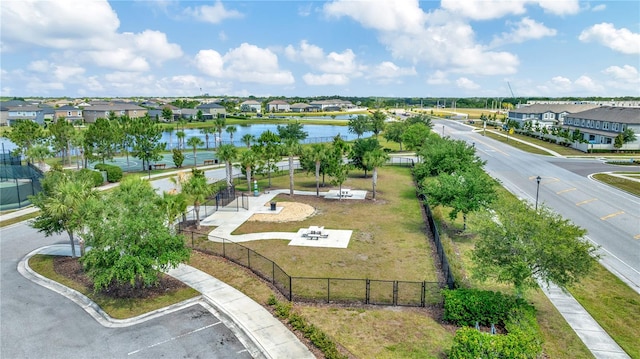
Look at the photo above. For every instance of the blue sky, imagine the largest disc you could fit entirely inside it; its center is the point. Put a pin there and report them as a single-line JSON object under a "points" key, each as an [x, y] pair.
{"points": [[404, 48]]}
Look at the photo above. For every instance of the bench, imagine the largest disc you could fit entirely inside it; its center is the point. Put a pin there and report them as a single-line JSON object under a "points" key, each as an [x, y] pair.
{"points": [[158, 166], [315, 233], [208, 162], [345, 192]]}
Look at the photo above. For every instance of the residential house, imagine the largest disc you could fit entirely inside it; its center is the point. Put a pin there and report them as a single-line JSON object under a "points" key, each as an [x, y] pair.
{"points": [[546, 115], [4, 109], [278, 106], [70, 113], [251, 106], [600, 126], [331, 105], [213, 110], [93, 112], [36, 113], [301, 107]]}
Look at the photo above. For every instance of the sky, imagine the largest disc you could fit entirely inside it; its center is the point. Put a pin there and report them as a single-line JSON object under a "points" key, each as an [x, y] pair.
{"points": [[362, 48]]}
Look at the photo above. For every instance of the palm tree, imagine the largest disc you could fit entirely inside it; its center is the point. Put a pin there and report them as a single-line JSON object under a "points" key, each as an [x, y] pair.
{"points": [[219, 125], [247, 139], [181, 135], [197, 188], [231, 130], [38, 153], [63, 203], [170, 132], [206, 132], [173, 204], [195, 142], [228, 153], [317, 153], [291, 148], [374, 159], [248, 161]]}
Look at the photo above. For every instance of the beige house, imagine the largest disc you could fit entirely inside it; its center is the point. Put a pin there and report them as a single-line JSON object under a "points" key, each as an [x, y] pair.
{"points": [[92, 113]]}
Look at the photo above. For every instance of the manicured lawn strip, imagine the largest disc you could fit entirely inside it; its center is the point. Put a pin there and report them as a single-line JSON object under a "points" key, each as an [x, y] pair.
{"points": [[8, 222], [621, 183], [614, 305], [517, 144], [116, 308], [388, 240]]}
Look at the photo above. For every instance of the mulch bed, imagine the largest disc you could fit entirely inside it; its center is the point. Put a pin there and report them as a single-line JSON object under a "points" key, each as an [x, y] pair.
{"points": [[72, 269]]}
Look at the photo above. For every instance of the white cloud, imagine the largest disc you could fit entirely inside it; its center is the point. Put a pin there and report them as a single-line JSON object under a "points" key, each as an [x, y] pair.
{"points": [[621, 40], [325, 79], [587, 83], [495, 9], [600, 7], [155, 45], [64, 73], [214, 14], [314, 57], [626, 73], [389, 70], [39, 66], [438, 78], [560, 85], [403, 15], [560, 7], [522, 31], [246, 63], [466, 84], [122, 59]]}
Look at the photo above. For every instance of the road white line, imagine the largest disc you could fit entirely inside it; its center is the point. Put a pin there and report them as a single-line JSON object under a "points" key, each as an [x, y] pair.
{"points": [[586, 201], [174, 338], [566, 190], [611, 215]]}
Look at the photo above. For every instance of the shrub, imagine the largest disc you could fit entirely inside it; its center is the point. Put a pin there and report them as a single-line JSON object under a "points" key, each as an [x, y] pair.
{"points": [[178, 158], [94, 176], [468, 306], [114, 173]]}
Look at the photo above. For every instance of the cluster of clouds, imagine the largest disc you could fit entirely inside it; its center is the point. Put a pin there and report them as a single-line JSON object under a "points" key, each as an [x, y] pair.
{"points": [[441, 44]]}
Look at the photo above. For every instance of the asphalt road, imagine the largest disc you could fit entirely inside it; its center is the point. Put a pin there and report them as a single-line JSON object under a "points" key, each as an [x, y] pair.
{"points": [[36, 322], [611, 216]]}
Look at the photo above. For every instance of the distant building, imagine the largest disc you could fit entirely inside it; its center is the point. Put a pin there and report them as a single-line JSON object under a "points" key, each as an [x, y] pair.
{"points": [[300, 107], [546, 115], [213, 110], [251, 106], [69, 113], [331, 105], [95, 111], [601, 125], [278, 106]]}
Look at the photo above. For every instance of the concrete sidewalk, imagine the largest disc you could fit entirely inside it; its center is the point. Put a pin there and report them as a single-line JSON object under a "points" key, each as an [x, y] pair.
{"points": [[263, 334]]}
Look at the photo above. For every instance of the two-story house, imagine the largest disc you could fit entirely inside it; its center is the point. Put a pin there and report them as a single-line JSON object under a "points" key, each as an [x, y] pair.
{"points": [[546, 115], [251, 106], [278, 106], [69, 113], [601, 125], [212, 110], [331, 105], [93, 112]]}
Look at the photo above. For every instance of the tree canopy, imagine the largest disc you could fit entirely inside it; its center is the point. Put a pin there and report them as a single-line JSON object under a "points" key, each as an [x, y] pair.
{"points": [[146, 140]]}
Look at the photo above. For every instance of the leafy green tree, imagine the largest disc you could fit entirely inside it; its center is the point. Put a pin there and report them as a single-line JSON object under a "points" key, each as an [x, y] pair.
{"points": [[124, 132], [338, 169], [169, 130], [146, 140], [628, 135], [101, 140], [291, 148], [377, 122], [374, 159], [198, 190], [172, 205], [178, 157], [292, 130], [167, 114], [359, 148], [466, 191], [200, 116], [420, 118], [39, 153], [248, 139], [63, 204], [231, 130], [415, 136], [227, 154], [518, 245], [394, 131], [131, 245], [248, 161], [445, 156], [61, 132], [269, 150], [618, 142], [195, 142], [359, 125], [24, 134]]}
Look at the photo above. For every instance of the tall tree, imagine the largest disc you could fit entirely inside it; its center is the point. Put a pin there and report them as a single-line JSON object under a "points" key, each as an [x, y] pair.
{"points": [[167, 114], [393, 132], [219, 124], [206, 132], [61, 132], [292, 130], [338, 169], [24, 134], [291, 148], [374, 159], [39, 153], [172, 205], [181, 135], [415, 136], [197, 189], [195, 142], [124, 132], [248, 161], [520, 246], [317, 153], [131, 245], [169, 130], [63, 204], [231, 130], [359, 125], [269, 151], [466, 191], [101, 140], [377, 122], [227, 154], [146, 140], [359, 148], [248, 139]]}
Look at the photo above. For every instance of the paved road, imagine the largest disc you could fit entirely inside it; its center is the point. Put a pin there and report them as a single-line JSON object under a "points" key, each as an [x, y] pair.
{"points": [[611, 216], [36, 322]]}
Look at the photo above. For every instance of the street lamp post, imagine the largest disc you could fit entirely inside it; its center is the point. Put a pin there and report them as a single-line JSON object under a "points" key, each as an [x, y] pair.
{"points": [[538, 179], [442, 130]]}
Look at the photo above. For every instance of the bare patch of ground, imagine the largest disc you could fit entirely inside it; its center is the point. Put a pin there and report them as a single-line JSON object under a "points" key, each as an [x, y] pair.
{"points": [[291, 211]]}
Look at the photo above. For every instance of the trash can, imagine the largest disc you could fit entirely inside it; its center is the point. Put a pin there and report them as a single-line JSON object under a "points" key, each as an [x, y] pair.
{"points": [[273, 206]]}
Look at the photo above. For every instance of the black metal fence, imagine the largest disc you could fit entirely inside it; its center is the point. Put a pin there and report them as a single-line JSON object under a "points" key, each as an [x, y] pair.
{"points": [[17, 183]]}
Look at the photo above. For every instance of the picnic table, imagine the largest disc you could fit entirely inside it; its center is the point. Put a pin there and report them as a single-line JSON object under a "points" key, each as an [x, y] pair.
{"points": [[159, 166], [315, 233], [345, 192]]}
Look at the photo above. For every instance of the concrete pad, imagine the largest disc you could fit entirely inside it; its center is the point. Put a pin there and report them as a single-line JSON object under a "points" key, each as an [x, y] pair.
{"points": [[355, 194], [337, 238], [267, 210]]}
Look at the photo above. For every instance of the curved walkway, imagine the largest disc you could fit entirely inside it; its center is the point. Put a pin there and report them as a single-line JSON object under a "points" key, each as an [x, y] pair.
{"points": [[261, 333]]}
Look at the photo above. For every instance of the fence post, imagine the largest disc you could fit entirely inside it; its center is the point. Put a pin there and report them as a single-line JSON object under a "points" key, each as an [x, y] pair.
{"points": [[328, 290], [249, 258], [224, 252], [423, 301], [367, 291], [273, 272], [290, 289], [395, 292], [192, 239]]}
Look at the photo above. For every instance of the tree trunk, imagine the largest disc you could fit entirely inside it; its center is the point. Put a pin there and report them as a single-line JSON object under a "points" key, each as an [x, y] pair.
{"points": [[73, 245], [229, 176], [317, 178], [291, 175], [247, 170], [374, 181], [196, 208]]}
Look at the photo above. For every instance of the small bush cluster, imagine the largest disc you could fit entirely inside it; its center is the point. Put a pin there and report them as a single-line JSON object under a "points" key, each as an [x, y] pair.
{"points": [[466, 307], [310, 331], [94, 176], [114, 173]]}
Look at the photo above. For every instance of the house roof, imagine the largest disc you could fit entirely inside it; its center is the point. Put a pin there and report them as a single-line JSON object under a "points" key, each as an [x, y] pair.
{"points": [[555, 108], [67, 108], [278, 102], [209, 105], [5, 105], [121, 106], [629, 115], [300, 105], [251, 102]]}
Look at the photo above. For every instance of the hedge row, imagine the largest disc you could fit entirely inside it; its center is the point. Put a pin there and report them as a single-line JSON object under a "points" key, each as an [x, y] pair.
{"points": [[114, 173], [94, 176], [310, 331], [518, 318]]}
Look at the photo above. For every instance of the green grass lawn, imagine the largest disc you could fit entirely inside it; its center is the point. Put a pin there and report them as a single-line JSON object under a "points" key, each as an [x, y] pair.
{"points": [[624, 184]]}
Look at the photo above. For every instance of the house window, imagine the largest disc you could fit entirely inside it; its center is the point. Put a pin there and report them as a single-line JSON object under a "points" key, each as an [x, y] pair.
{"points": [[615, 127], [608, 141], [597, 124], [568, 121], [122, 113], [605, 125], [68, 113], [135, 112], [582, 123]]}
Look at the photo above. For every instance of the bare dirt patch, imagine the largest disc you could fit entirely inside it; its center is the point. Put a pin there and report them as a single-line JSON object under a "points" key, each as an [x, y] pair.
{"points": [[291, 212]]}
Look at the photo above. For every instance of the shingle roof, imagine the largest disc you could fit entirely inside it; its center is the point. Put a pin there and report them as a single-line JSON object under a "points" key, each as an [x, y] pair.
{"points": [[209, 105], [555, 108], [630, 115]]}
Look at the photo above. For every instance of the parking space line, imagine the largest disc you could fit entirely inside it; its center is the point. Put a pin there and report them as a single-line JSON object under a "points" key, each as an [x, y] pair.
{"points": [[174, 338], [566, 190], [586, 201], [611, 215]]}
